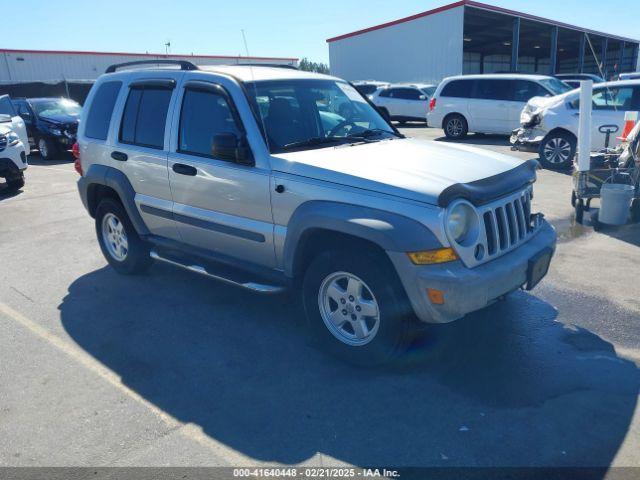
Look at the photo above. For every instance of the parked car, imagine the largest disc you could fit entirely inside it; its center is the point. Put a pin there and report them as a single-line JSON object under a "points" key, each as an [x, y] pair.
{"points": [[368, 87], [17, 123], [51, 123], [13, 157], [549, 126], [404, 102], [573, 79], [486, 103], [227, 172]]}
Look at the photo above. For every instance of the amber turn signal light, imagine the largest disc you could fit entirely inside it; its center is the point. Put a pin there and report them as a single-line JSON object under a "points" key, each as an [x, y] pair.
{"points": [[435, 296], [427, 257]]}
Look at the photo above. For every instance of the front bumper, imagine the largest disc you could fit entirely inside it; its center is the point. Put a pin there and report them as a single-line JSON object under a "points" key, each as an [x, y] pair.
{"points": [[468, 289], [13, 160], [526, 139]]}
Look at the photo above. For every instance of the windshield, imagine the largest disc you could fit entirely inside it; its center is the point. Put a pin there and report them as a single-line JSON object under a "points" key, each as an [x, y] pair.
{"points": [[556, 86], [48, 108], [304, 114]]}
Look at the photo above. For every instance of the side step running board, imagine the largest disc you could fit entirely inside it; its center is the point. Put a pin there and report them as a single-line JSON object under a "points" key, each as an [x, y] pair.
{"points": [[253, 286]]}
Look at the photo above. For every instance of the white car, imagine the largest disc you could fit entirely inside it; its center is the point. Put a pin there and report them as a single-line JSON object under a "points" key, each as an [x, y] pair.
{"points": [[369, 87], [13, 158], [550, 125], [486, 103], [17, 123], [404, 101]]}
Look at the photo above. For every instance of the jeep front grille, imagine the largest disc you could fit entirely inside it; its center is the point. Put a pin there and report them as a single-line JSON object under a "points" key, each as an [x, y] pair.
{"points": [[507, 223]]}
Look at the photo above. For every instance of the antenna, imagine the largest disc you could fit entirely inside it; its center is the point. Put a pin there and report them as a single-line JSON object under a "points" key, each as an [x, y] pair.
{"points": [[167, 46], [255, 91]]}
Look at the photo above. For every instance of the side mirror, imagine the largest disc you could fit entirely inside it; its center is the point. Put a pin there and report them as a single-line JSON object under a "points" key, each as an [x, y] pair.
{"points": [[422, 97], [26, 116], [228, 146], [4, 118]]}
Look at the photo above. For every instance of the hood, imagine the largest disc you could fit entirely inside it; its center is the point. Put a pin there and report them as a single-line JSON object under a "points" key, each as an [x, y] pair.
{"points": [[61, 119], [537, 105], [415, 169], [4, 129]]}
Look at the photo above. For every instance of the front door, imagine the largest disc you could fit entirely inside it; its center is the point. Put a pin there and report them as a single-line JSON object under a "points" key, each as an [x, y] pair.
{"points": [[219, 204], [609, 108]]}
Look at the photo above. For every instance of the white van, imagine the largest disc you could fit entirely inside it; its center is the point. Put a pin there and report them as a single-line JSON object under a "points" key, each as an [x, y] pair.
{"points": [[487, 103]]}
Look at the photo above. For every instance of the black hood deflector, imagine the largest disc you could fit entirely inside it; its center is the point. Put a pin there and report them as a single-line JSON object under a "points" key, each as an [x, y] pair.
{"points": [[484, 190]]}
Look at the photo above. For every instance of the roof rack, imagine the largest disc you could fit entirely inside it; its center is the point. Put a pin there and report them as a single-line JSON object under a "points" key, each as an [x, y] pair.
{"points": [[184, 65], [270, 65]]}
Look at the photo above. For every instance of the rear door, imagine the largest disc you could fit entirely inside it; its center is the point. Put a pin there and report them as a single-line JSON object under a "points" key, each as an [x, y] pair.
{"points": [[390, 99], [415, 103], [140, 149], [609, 107], [17, 123]]}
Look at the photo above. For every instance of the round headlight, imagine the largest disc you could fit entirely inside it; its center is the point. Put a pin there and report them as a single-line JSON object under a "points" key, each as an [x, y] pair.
{"points": [[462, 224]]}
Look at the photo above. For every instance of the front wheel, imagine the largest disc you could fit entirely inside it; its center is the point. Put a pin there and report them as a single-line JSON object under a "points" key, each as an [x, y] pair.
{"points": [[455, 127], [125, 251], [15, 183], [47, 149], [557, 150], [355, 307]]}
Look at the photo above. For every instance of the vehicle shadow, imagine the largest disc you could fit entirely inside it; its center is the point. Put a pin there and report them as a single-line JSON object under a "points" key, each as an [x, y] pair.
{"points": [[478, 139], [6, 193], [62, 158], [507, 386]]}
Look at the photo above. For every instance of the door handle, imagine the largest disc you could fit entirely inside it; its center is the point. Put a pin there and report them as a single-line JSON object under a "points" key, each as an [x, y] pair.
{"points": [[183, 169], [119, 156]]}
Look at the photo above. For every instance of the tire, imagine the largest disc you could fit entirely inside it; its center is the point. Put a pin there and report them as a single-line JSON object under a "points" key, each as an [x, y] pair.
{"points": [[390, 331], [579, 206], [557, 150], [125, 251], [15, 183], [47, 148], [635, 210], [455, 126]]}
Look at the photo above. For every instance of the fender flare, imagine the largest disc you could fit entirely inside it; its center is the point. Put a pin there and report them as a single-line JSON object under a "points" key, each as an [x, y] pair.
{"points": [[113, 178], [390, 231]]}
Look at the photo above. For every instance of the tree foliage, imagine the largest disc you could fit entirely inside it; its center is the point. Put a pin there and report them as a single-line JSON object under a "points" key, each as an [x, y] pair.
{"points": [[308, 66]]}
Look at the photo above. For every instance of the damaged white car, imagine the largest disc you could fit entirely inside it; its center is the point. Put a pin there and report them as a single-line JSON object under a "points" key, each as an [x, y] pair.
{"points": [[549, 125]]}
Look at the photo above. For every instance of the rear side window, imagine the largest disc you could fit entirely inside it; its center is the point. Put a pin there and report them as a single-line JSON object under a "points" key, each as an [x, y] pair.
{"points": [[6, 107], [204, 115], [407, 94], [144, 117], [387, 93], [99, 116], [457, 88], [366, 89], [493, 89]]}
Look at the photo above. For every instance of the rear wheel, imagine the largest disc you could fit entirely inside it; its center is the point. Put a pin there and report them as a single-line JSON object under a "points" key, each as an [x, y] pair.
{"points": [[47, 149], [355, 306], [455, 127], [557, 150], [125, 251]]}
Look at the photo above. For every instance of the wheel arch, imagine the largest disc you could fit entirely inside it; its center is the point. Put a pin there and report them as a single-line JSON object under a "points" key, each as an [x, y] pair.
{"points": [[451, 114], [561, 130], [101, 181], [320, 225]]}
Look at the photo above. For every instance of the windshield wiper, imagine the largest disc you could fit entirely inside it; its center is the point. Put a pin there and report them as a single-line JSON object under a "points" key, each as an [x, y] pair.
{"points": [[313, 142], [371, 132]]}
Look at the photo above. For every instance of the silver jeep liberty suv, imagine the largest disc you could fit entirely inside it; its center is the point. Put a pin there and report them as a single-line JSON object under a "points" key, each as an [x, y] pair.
{"points": [[272, 178]]}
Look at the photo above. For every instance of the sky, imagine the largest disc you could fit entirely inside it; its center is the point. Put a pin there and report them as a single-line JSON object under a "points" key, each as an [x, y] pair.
{"points": [[279, 28]]}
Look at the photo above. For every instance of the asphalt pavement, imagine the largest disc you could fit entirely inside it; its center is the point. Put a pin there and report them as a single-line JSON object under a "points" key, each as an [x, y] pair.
{"points": [[171, 368]]}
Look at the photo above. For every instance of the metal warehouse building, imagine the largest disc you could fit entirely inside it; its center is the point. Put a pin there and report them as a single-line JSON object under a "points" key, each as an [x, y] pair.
{"points": [[470, 37], [23, 66]]}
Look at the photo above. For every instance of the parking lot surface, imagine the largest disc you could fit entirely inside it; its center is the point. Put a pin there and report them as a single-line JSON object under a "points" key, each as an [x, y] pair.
{"points": [[175, 369]]}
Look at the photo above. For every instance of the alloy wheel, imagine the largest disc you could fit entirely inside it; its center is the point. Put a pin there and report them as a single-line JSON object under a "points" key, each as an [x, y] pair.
{"points": [[557, 150], [115, 237], [349, 309]]}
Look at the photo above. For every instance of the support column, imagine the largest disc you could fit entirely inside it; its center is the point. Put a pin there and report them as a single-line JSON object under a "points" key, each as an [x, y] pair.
{"points": [[553, 56], [515, 44], [621, 57], [581, 51], [603, 57]]}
